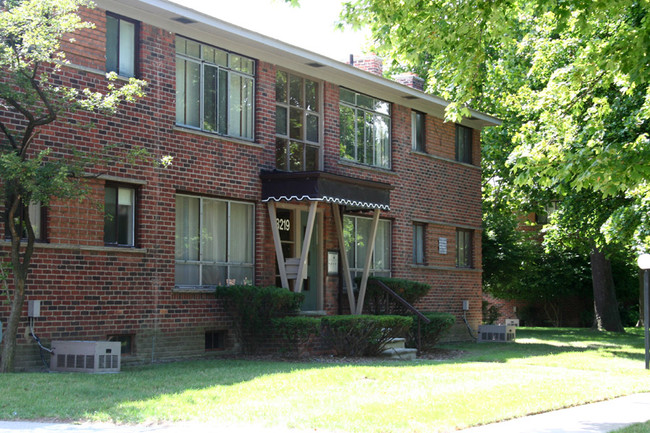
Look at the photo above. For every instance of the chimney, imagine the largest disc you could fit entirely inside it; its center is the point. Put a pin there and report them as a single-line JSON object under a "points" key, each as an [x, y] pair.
{"points": [[370, 63], [411, 80]]}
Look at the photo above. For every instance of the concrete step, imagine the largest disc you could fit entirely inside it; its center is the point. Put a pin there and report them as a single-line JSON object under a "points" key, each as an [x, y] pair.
{"points": [[402, 354], [396, 343]]}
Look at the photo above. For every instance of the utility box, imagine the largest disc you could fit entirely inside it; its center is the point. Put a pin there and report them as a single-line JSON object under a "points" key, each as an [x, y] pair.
{"points": [[496, 333], [86, 356]]}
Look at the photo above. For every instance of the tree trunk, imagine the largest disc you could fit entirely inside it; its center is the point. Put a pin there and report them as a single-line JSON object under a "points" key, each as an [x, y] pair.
{"points": [[9, 337], [607, 317]]}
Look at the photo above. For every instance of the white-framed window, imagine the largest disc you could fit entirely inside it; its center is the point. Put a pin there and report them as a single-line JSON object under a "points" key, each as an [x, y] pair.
{"points": [[357, 235], [365, 129], [121, 45], [119, 215], [418, 243], [463, 144], [214, 242], [297, 122], [464, 248], [215, 89], [417, 131]]}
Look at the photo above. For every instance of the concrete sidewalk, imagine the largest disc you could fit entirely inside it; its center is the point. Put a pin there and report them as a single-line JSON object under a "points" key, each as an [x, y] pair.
{"points": [[599, 417]]}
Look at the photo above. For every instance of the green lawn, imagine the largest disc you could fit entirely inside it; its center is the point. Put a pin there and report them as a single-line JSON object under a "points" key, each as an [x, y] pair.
{"points": [[545, 369]]}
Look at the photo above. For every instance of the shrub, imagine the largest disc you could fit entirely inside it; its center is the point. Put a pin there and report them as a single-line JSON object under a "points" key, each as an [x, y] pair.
{"points": [[377, 301], [362, 335], [296, 332], [255, 307], [430, 333]]}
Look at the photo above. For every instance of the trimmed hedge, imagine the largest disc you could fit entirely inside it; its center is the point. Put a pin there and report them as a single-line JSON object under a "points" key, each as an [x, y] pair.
{"points": [[377, 301], [363, 335], [296, 332], [255, 307], [430, 332]]}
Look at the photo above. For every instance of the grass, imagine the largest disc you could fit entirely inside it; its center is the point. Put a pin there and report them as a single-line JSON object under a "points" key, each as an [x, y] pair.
{"points": [[636, 428], [545, 369]]}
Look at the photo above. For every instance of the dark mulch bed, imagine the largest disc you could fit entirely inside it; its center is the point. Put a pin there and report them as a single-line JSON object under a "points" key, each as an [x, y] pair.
{"points": [[431, 355]]}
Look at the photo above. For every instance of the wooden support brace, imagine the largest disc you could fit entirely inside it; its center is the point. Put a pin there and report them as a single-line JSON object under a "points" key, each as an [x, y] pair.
{"points": [[336, 210], [366, 269], [278, 245], [302, 267]]}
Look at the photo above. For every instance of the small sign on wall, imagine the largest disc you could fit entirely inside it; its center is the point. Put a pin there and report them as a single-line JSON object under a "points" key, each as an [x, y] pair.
{"points": [[332, 262], [442, 245]]}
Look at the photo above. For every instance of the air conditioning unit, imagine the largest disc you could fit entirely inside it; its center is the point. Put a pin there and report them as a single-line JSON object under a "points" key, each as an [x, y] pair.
{"points": [[496, 333], [86, 356]]}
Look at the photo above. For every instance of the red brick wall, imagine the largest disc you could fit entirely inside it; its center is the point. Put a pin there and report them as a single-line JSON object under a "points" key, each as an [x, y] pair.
{"points": [[89, 291]]}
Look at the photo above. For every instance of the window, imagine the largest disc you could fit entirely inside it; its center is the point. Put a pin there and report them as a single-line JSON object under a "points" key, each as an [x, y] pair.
{"points": [[121, 45], [37, 216], [119, 215], [214, 89], [464, 248], [365, 129], [215, 340], [357, 235], [214, 242], [463, 144], [417, 131], [126, 342], [297, 123], [418, 243]]}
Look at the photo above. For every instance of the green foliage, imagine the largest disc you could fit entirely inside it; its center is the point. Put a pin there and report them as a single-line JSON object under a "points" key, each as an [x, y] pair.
{"points": [[432, 332], [255, 307], [377, 301], [362, 335], [296, 332]]}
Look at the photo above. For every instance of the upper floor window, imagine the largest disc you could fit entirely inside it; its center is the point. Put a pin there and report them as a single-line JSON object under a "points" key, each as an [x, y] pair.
{"points": [[365, 129], [417, 131], [418, 243], [121, 45], [214, 242], [463, 144], [214, 89], [357, 237], [297, 122], [464, 248], [119, 215], [37, 217]]}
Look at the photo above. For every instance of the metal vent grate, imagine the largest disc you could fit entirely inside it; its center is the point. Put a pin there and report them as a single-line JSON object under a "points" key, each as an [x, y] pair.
{"points": [[86, 356]]}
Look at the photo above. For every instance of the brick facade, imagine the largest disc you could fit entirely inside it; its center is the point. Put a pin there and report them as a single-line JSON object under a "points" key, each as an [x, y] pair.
{"points": [[91, 291]]}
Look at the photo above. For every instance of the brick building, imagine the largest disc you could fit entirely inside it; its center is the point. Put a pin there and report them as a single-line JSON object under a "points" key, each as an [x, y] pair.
{"points": [[270, 142]]}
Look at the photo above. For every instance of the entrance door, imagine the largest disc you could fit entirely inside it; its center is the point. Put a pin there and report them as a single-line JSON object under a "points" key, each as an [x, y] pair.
{"points": [[312, 287]]}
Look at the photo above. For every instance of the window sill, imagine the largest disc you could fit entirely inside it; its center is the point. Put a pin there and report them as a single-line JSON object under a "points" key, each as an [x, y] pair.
{"points": [[108, 249], [441, 158], [180, 128], [354, 164], [445, 268], [197, 290]]}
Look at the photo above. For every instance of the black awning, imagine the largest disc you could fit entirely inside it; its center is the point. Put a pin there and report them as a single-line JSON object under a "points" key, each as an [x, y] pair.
{"points": [[325, 187]]}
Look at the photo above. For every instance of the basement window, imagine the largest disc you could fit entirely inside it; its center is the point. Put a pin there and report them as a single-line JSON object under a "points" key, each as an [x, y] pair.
{"points": [[126, 342], [215, 340]]}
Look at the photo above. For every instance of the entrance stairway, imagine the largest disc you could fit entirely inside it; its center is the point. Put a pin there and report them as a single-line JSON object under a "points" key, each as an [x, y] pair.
{"points": [[395, 349]]}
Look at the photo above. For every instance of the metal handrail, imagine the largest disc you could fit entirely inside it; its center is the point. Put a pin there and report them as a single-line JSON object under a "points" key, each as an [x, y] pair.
{"points": [[405, 303]]}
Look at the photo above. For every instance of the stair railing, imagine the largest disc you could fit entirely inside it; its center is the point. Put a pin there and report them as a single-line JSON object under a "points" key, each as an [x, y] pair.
{"points": [[420, 317]]}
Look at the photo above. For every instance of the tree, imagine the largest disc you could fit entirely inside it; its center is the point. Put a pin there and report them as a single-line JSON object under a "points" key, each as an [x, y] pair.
{"points": [[571, 80], [33, 96]]}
